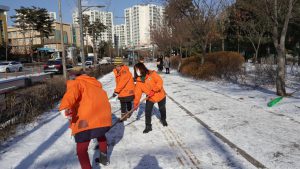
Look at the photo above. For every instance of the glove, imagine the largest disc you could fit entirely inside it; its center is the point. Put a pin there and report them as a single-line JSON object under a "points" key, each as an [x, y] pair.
{"points": [[67, 113], [151, 93], [115, 95]]}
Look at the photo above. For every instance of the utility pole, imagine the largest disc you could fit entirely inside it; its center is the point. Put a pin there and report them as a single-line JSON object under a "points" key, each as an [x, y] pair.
{"points": [[81, 35], [62, 42], [6, 49]]}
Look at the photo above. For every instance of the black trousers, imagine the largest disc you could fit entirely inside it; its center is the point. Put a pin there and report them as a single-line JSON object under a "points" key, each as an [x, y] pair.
{"points": [[162, 110], [125, 106], [167, 70]]}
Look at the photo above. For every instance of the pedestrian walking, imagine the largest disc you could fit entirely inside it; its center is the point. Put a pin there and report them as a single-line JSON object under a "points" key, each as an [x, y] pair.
{"points": [[160, 63], [167, 64], [124, 86], [87, 107], [150, 83]]}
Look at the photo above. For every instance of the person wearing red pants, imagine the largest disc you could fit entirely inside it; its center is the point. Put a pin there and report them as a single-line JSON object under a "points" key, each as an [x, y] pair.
{"points": [[87, 107]]}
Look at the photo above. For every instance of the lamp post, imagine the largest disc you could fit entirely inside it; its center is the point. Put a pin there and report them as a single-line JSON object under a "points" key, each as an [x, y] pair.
{"points": [[62, 42], [80, 11]]}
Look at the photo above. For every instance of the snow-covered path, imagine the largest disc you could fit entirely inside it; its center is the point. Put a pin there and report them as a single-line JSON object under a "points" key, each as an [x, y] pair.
{"points": [[268, 137]]}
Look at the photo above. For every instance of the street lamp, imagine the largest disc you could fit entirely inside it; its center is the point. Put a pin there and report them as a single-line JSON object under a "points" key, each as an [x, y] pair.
{"points": [[80, 11], [62, 42]]}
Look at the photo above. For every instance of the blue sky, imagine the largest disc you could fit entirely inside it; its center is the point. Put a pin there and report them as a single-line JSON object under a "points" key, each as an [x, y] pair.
{"points": [[115, 6]]}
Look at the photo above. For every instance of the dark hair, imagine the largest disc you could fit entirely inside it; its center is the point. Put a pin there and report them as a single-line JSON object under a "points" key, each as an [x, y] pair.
{"points": [[142, 69], [76, 72]]}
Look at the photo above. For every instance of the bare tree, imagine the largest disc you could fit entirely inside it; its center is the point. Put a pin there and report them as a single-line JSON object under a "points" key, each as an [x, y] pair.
{"points": [[86, 25], [280, 12], [94, 30], [252, 24], [161, 36], [201, 14]]}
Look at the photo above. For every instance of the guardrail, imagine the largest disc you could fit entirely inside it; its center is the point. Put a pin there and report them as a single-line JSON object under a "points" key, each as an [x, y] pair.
{"points": [[9, 85], [24, 81]]}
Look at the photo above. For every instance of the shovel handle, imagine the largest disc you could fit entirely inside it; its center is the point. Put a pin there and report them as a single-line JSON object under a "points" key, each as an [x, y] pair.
{"points": [[131, 111]]}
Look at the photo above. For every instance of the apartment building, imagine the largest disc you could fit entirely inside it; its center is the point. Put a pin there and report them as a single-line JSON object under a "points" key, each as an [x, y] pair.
{"points": [[21, 41], [3, 24], [120, 36], [52, 15], [105, 17], [139, 20]]}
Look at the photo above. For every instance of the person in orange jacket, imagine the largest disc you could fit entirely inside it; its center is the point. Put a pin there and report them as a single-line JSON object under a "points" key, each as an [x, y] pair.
{"points": [[124, 86], [150, 83], [86, 105]]}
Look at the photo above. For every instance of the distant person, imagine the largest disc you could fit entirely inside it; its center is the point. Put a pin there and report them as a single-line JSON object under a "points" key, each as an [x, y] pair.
{"points": [[160, 63], [124, 86], [141, 60], [150, 83], [86, 105], [167, 65]]}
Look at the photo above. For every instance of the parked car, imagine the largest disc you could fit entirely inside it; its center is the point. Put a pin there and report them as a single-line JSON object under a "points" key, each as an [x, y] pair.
{"points": [[89, 61], [103, 62], [11, 66], [55, 66]]}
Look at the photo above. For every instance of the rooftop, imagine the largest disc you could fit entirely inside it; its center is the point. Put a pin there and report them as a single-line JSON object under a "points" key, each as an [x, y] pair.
{"points": [[4, 8]]}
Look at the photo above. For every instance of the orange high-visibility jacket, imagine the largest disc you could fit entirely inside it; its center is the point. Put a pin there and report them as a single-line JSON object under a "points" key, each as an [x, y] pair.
{"points": [[152, 82], [89, 102], [124, 82]]}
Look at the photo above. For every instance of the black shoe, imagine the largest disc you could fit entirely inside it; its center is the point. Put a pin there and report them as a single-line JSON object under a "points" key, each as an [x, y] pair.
{"points": [[102, 159], [164, 123], [147, 129]]}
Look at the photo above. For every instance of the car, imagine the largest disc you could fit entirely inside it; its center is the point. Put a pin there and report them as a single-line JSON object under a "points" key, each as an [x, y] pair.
{"points": [[89, 61], [103, 62], [11, 66], [55, 66]]}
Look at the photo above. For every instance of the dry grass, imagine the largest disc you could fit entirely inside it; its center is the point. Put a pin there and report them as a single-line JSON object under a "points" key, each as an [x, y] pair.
{"points": [[216, 65], [175, 62]]}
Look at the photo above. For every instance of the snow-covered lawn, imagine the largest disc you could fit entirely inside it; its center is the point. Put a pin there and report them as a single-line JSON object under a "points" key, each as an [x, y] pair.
{"points": [[269, 136]]}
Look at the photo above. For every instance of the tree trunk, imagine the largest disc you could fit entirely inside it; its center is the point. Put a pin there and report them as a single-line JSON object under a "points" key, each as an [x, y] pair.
{"points": [[223, 44], [280, 46], [87, 46], [180, 51], [186, 53], [210, 47], [95, 52], [24, 43], [42, 39], [280, 80], [203, 53]]}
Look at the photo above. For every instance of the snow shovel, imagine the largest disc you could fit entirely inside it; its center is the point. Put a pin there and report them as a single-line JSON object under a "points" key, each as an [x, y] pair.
{"points": [[273, 102], [127, 114]]}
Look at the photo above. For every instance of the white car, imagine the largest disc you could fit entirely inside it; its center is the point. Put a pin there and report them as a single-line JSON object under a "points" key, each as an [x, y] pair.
{"points": [[11, 66], [103, 62]]}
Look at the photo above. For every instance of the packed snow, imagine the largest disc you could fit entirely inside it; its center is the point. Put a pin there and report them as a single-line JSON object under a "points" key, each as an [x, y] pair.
{"points": [[239, 114]]}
